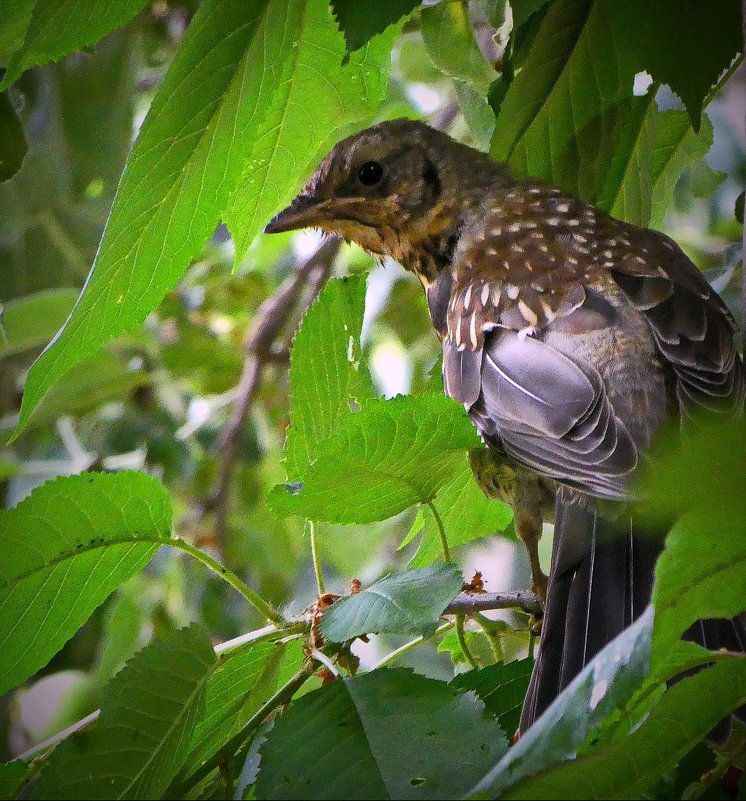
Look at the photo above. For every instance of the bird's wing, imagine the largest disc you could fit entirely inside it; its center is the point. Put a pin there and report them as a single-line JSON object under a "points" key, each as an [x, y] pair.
{"points": [[550, 411], [692, 327]]}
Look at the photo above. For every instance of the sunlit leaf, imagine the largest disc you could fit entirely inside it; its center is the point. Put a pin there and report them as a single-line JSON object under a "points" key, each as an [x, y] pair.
{"points": [[64, 550]]}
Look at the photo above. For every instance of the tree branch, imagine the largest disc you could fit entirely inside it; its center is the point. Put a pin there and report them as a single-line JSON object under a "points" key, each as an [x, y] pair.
{"points": [[259, 349], [467, 603]]}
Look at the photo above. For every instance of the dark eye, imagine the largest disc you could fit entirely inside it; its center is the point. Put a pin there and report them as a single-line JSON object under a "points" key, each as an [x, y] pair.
{"points": [[370, 173]]}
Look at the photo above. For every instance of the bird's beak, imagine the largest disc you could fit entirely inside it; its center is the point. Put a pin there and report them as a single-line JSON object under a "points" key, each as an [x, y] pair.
{"points": [[304, 212]]}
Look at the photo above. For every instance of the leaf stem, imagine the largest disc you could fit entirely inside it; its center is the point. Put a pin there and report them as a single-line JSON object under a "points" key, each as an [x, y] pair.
{"points": [[441, 533], [462, 641], [266, 609], [409, 646], [224, 754], [315, 557]]}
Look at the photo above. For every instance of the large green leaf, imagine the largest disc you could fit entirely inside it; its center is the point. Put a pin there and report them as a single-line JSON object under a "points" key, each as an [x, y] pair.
{"points": [[559, 118], [142, 735], [633, 764], [360, 22], [381, 460], [57, 27], [232, 116], [63, 551], [604, 684], [316, 102], [408, 603], [687, 44], [325, 372], [387, 734]]}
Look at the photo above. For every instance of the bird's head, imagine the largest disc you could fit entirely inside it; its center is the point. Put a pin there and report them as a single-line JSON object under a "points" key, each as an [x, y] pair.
{"points": [[389, 188]]}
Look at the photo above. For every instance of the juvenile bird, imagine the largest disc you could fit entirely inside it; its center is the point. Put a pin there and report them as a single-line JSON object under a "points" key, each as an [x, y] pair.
{"points": [[569, 336]]}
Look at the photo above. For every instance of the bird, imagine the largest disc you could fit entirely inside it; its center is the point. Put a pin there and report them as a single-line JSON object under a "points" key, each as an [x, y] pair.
{"points": [[570, 337]]}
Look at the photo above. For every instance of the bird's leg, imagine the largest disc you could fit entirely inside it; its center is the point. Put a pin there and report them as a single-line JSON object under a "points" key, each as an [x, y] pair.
{"points": [[528, 528]]}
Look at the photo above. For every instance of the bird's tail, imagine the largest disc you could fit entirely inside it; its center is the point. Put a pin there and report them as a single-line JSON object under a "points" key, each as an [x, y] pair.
{"points": [[601, 581]]}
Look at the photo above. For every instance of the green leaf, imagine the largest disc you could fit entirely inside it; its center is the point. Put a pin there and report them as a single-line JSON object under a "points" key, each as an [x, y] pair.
{"points": [[361, 22], [605, 683], [467, 514], [58, 27], [13, 775], [231, 117], [12, 141], [16, 18], [407, 603], [64, 550], [32, 321], [677, 148], [307, 115], [387, 457], [631, 765], [240, 683], [684, 43], [387, 734], [523, 9], [501, 688], [559, 118], [449, 38], [653, 150], [147, 717], [325, 373], [701, 571]]}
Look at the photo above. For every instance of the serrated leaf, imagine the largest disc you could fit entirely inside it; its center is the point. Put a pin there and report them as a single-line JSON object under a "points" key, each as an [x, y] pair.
{"points": [[12, 140], [64, 550], [307, 115], [232, 114], [16, 19], [523, 9], [387, 734], [466, 512], [607, 681], [631, 765], [324, 370], [58, 27], [501, 688], [449, 38], [31, 321], [388, 456], [559, 117], [407, 603], [142, 735], [361, 22], [684, 43], [230, 697]]}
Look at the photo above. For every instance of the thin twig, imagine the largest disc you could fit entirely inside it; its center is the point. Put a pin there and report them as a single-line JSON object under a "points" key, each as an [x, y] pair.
{"points": [[269, 323], [466, 603], [315, 558]]}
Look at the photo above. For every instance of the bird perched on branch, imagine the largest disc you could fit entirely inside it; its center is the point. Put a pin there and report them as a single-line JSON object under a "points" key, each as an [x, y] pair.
{"points": [[569, 336]]}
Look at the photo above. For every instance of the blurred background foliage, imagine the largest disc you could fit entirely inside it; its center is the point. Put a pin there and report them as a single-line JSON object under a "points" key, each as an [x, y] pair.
{"points": [[160, 397]]}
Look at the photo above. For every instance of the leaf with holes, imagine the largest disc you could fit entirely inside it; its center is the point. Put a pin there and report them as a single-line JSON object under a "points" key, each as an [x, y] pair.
{"points": [[381, 460], [386, 734]]}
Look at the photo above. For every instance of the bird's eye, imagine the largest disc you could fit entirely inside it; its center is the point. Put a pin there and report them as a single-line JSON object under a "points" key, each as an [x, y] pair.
{"points": [[370, 173]]}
